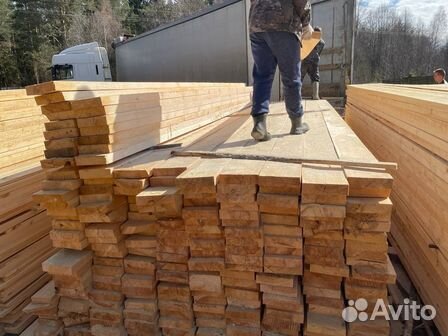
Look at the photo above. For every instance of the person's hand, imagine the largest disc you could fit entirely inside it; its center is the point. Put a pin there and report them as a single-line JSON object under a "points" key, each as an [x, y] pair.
{"points": [[307, 32]]}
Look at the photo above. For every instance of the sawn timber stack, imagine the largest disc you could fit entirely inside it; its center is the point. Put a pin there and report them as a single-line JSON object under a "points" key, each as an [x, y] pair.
{"points": [[191, 246], [24, 227], [408, 124], [91, 125]]}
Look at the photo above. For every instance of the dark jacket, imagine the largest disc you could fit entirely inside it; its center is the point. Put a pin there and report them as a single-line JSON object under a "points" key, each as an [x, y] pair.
{"points": [[279, 15]]}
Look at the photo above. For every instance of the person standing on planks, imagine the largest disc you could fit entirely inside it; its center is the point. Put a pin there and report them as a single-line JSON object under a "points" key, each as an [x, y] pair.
{"points": [[310, 65], [276, 27]]}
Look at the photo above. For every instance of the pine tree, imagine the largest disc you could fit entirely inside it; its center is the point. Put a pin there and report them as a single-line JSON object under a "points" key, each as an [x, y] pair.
{"points": [[9, 76], [134, 22], [28, 23]]}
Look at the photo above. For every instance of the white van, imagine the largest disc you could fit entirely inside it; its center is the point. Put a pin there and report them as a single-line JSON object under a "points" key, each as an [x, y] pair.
{"points": [[84, 62]]}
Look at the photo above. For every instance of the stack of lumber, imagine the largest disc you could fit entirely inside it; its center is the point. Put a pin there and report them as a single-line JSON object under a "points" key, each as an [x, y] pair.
{"points": [[140, 232], [170, 249], [325, 197], [21, 126], [102, 123], [24, 228], [281, 283], [205, 246], [91, 127], [365, 231], [71, 271], [21, 276], [323, 209], [120, 119], [408, 125], [139, 290], [44, 304], [237, 194], [21, 139]]}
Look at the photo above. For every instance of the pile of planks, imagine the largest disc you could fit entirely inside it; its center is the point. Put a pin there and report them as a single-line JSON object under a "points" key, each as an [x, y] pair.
{"points": [[120, 120], [91, 127], [21, 139], [322, 211], [279, 187], [409, 125], [21, 126], [44, 304], [24, 228], [102, 123], [266, 210], [72, 276], [155, 244]]}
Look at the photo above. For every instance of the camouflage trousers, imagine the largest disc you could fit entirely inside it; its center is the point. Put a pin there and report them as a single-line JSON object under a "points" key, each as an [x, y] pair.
{"points": [[312, 69]]}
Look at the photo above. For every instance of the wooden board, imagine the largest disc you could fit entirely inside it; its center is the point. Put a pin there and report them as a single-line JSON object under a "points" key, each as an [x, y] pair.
{"points": [[307, 46], [40, 89]]}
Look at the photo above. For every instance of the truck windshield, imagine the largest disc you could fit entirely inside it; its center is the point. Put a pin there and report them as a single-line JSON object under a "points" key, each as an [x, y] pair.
{"points": [[61, 72]]}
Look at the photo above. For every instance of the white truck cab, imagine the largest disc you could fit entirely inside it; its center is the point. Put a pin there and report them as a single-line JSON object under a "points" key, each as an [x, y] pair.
{"points": [[84, 62]]}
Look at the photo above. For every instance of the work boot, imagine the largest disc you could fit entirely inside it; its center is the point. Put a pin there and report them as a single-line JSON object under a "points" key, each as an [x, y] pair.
{"points": [[316, 91], [298, 127], [260, 132]]}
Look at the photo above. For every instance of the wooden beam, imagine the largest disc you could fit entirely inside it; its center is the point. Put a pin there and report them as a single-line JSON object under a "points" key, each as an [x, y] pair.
{"points": [[295, 160]]}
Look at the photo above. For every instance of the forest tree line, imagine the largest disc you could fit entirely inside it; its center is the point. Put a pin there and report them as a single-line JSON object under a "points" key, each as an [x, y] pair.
{"points": [[31, 31], [389, 44]]}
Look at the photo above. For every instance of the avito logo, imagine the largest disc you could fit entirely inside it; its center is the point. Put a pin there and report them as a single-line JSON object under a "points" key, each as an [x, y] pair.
{"points": [[357, 311]]}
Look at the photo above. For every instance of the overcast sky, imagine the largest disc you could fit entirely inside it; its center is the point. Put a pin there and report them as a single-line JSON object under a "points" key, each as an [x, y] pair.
{"points": [[421, 9]]}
